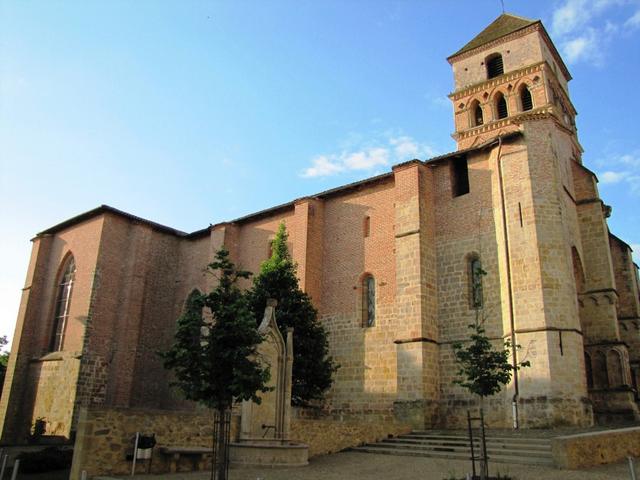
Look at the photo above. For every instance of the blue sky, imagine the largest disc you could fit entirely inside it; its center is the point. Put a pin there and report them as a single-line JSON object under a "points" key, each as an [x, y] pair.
{"points": [[194, 112]]}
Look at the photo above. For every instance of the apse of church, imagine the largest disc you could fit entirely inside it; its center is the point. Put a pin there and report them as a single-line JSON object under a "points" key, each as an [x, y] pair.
{"points": [[391, 264]]}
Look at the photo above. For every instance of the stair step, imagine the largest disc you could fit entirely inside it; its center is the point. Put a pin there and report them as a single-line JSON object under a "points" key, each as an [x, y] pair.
{"points": [[452, 455], [453, 445], [461, 449], [465, 441], [490, 438]]}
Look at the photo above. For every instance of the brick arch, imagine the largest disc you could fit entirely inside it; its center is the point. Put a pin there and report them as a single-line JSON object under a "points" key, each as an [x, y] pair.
{"points": [[474, 104], [494, 99], [519, 89]]}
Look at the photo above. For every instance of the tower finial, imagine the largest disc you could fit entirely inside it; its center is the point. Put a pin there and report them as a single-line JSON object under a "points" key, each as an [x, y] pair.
{"points": [[502, 2]]}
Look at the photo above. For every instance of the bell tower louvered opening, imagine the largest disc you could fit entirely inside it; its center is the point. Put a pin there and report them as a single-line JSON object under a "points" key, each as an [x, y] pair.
{"points": [[526, 99], [495, 67], [501, 107]]}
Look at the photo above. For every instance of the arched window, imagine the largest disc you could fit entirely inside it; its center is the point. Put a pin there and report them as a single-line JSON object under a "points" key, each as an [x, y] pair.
{"points": [[614, 367], [63, 302], [495, 67], [475, 279], [368, 301], [526, 99], [478, 117], [600, 371], [501, 106]]}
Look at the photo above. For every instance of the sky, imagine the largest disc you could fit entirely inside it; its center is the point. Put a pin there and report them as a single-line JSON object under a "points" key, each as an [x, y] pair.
{"points": [[194, 112]]}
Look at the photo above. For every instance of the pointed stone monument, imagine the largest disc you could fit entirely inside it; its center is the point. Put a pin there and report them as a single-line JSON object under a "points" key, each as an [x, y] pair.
{"points": [[265, 427]]}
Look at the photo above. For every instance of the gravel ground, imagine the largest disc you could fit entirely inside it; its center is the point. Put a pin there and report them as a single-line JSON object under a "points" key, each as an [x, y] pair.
{"points": [[361, 466]]}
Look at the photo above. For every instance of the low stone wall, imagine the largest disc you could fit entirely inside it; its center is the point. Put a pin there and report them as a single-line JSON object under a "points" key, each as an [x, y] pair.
{"points": [[105, 437], [596, 448], [325, 434]]}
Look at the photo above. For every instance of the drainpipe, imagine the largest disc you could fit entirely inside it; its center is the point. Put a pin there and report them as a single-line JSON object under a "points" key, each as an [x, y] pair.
{"points": [[514, 351]]}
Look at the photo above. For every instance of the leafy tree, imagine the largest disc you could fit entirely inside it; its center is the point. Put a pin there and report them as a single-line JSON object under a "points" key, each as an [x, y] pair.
{"points": [[483, 369], [214, 362], [4, 360], [313, 368]]}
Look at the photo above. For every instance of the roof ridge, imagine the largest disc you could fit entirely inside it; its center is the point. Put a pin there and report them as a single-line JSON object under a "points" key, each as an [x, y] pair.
{"points": [[503, 25]]}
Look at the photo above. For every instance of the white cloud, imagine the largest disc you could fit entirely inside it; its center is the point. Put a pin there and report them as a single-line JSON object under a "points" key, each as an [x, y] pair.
{"points": [[632, 159], [570, 16], [321, 167], [633, 21], [612, 177], [371, 158], [622, 169], [408, 149], [584, 47], [583, 36]]}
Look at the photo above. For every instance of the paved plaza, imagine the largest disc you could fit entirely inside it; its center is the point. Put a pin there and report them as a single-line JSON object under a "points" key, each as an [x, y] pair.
{"points": [[352, 465]]}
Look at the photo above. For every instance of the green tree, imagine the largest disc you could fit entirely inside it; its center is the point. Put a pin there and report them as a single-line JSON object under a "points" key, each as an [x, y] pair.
{"points": [[483, 369], [4, 360], [214, 362], [313, 368]]}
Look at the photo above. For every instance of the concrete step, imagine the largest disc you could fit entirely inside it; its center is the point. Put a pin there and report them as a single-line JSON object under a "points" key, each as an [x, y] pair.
{"points": [[454, 445], [546, 447], [489, 437], [461, 448], [452, 455]]}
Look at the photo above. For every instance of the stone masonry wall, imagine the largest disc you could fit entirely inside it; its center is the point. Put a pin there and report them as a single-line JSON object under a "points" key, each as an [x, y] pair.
{"points": [[106, 436], [35, 327]]}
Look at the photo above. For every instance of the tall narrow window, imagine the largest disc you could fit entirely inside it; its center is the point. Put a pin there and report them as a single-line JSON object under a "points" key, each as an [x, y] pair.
{"points": [[366, 226], [368, 301], [63, 302], [526, 99], [588, 371], [477, 116], [501, 106], [459, 177], [495, 67], [476, 273]]}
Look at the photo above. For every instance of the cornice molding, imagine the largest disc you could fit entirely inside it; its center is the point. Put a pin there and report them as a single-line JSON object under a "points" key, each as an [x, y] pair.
{"points": [[536, 27], [497, 81]]}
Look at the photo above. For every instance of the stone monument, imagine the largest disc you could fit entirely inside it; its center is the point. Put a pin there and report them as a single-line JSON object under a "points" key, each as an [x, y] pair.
{"points": [[264, 428]]}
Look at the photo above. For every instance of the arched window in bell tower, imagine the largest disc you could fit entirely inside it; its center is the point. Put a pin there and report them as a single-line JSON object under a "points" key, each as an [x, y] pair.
{"points": [[477, 118], [526, 99], [495, 67], [501, 106]]}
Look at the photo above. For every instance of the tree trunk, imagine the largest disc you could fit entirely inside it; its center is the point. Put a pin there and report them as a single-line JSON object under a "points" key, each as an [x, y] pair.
{"points": [[484, 464], [219, 461]]}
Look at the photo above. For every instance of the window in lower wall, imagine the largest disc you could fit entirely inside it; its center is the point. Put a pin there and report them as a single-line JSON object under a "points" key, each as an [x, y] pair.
{"points": [[459, 176], [368, 301]]}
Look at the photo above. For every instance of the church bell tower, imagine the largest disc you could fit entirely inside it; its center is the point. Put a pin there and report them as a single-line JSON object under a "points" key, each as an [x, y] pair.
{"points": [[508, 73]]}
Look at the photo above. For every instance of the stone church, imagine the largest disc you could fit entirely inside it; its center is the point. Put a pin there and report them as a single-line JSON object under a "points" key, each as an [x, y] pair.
{"points": [[393, 263]]}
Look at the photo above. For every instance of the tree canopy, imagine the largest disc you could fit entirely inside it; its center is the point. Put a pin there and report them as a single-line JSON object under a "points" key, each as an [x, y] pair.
{"points": [[215, 361], [313, 368]]}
